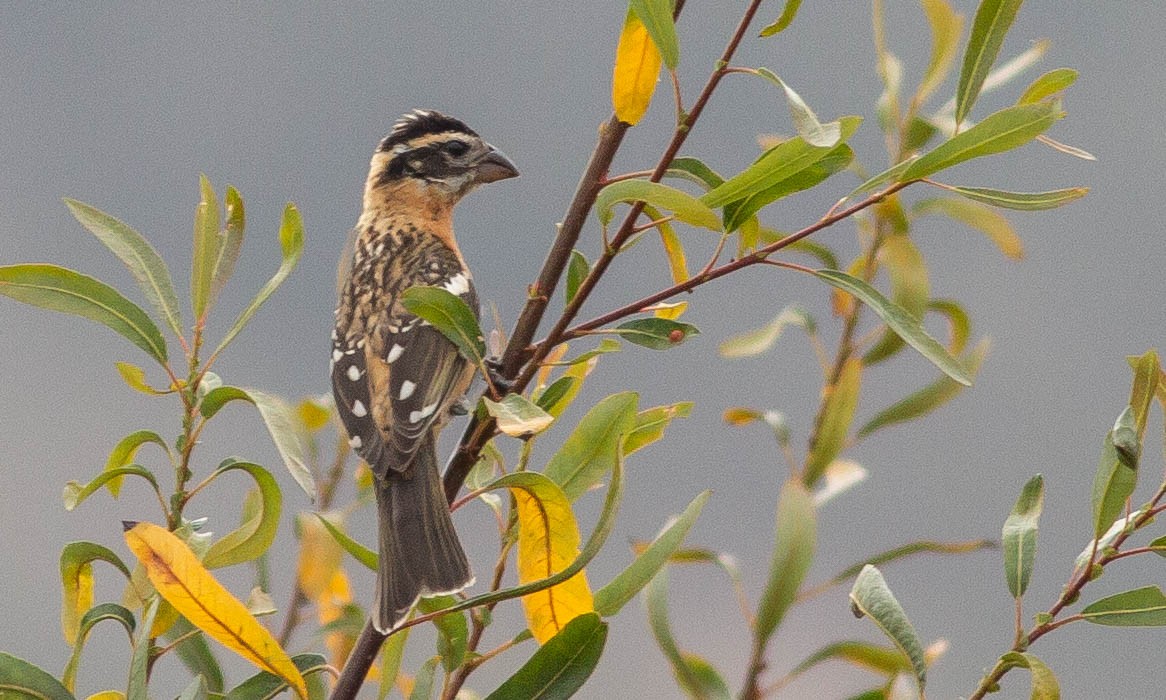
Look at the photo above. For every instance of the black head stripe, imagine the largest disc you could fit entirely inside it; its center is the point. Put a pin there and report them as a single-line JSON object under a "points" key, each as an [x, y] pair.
{"points": [[421, 122]]}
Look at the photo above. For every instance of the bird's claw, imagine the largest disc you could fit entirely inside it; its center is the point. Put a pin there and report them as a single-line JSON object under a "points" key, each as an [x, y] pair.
{"points": [[494, 376]]}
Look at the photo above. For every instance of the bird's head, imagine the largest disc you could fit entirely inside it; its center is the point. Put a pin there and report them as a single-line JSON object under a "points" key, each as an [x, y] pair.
{"points": [[438, 155]]}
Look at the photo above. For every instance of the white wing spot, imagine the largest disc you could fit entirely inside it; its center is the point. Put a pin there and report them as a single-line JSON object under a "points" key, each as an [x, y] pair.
{"points": [[394, 353], [355, 442], [418, 416], [458, 284], [354, 373], [359, 410], [336, 355], [407, 388], [415, 417], [334, 336]]}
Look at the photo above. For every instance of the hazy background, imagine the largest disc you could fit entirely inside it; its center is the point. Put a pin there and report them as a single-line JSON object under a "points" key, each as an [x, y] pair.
{"points": [[123, 105]]}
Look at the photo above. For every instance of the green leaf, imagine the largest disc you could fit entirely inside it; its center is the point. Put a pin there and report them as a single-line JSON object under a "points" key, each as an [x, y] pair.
{"points": [[927, 399], [195, 653], [560, 666], [655, 333], [74, 493], [517, 417], [993, 19], [908, 327], [657, 18], [423, 681], [1044, 682], [104, 611], [959, 323], [291, 243], [135, 378], [755, 342], [364, 555], [1141, 607], [610, 599], [593, 448], [887, 661], [694, 170], [910, 549], [452, 630], [684, 206], [651, 423], [549, 398], [779, 167], [266, 686], [1147, 371], [61, 289], [197, 690], [140, 658], [816, 250], [695, 676], [20, 679], [287, 432], [229, 243], [143, 261], [257, 531], [979, 216], [806, 123], [207, 224], [1116, 476], [793, 552], [787, 16], [577, 270], [77, 582], [891, 174], [839, 403], [1003, 131], [1021, 201], [1019, 536], [907, 271], [450, 315], [871, 597], [391, 652], [126, 450], [1048, 85], [946, 25], [605, 346]]}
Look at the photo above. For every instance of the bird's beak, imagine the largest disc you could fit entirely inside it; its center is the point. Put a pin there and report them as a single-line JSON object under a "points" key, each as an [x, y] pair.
{"points": [[494, 166]]}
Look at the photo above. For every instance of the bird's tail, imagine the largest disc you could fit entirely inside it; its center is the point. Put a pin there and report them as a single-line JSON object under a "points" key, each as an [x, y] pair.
{"points": [[420, 554]]}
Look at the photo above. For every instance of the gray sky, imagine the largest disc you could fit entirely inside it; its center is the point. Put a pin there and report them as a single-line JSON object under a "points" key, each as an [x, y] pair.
{"points": [[123, 105]]}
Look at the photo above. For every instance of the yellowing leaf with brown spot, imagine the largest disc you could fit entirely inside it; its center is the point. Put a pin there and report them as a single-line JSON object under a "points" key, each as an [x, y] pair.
{"points": [[182, 581], [637, 66], [548, 541]]}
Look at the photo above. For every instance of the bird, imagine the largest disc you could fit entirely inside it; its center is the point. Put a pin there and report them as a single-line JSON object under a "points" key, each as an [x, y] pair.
{"points": [[395, 377]]}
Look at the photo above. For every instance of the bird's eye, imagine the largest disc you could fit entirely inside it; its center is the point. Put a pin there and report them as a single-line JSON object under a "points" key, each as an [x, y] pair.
{"points": [[456, 148]]}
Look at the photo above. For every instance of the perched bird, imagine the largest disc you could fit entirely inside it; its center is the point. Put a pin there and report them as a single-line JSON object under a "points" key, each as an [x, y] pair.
{"points": [[394, 376]]}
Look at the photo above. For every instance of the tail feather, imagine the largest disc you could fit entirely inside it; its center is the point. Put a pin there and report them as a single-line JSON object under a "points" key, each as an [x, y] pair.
{"points": [[420, 554]]}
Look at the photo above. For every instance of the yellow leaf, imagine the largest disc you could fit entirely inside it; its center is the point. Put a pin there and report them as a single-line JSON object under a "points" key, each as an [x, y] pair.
{"points": [[544, 372], [668, 311], [77, 599], [320, 554], [182, 581], [548, 541], [313, 413], [329, 607], [838, 404], [107, 695], [637, 66], [677, 263], [138, 591]]}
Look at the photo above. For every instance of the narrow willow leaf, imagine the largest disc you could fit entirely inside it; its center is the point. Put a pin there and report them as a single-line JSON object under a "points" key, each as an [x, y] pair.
{"points": [[140, 658], [793, 552], [806, 123], [993, 19], [577, 270], [655, 333], [651, 423], [1048, 85], [684, 206], [449, 314], [143, 261], [610, 599], [673, 248], [911, 549], [21, 679], [788, 12], [694, 170], [229, 244], [637, 67], [560, 666], [871, 597], [291, 243], [265, 686], [1019, 536], [364, 555], [74, 493], [695, 676], [257, 531], [549, 398], [782, 163], [979, 216], [605, 346], [195, 653], [98, 613], [135, 378], [548, 541], [900, 321], [197, 690], [181, 579], [927, 399], [1147, 371], [1116, 477], [959, 324], [281, 422], [61, 289], [126, 450], [207, 224], [1022, 201], [1065, 148], [887, 661], [946, 26], [517, 417], [1003, 131], [840, 476], [592, 449], [891, 174], [452, 630], [77, 582], [657, 18], [839, 403], [1141, 607], [423, 681], [1044, 681], [819, 252], [909, 280], [755, 342]]}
